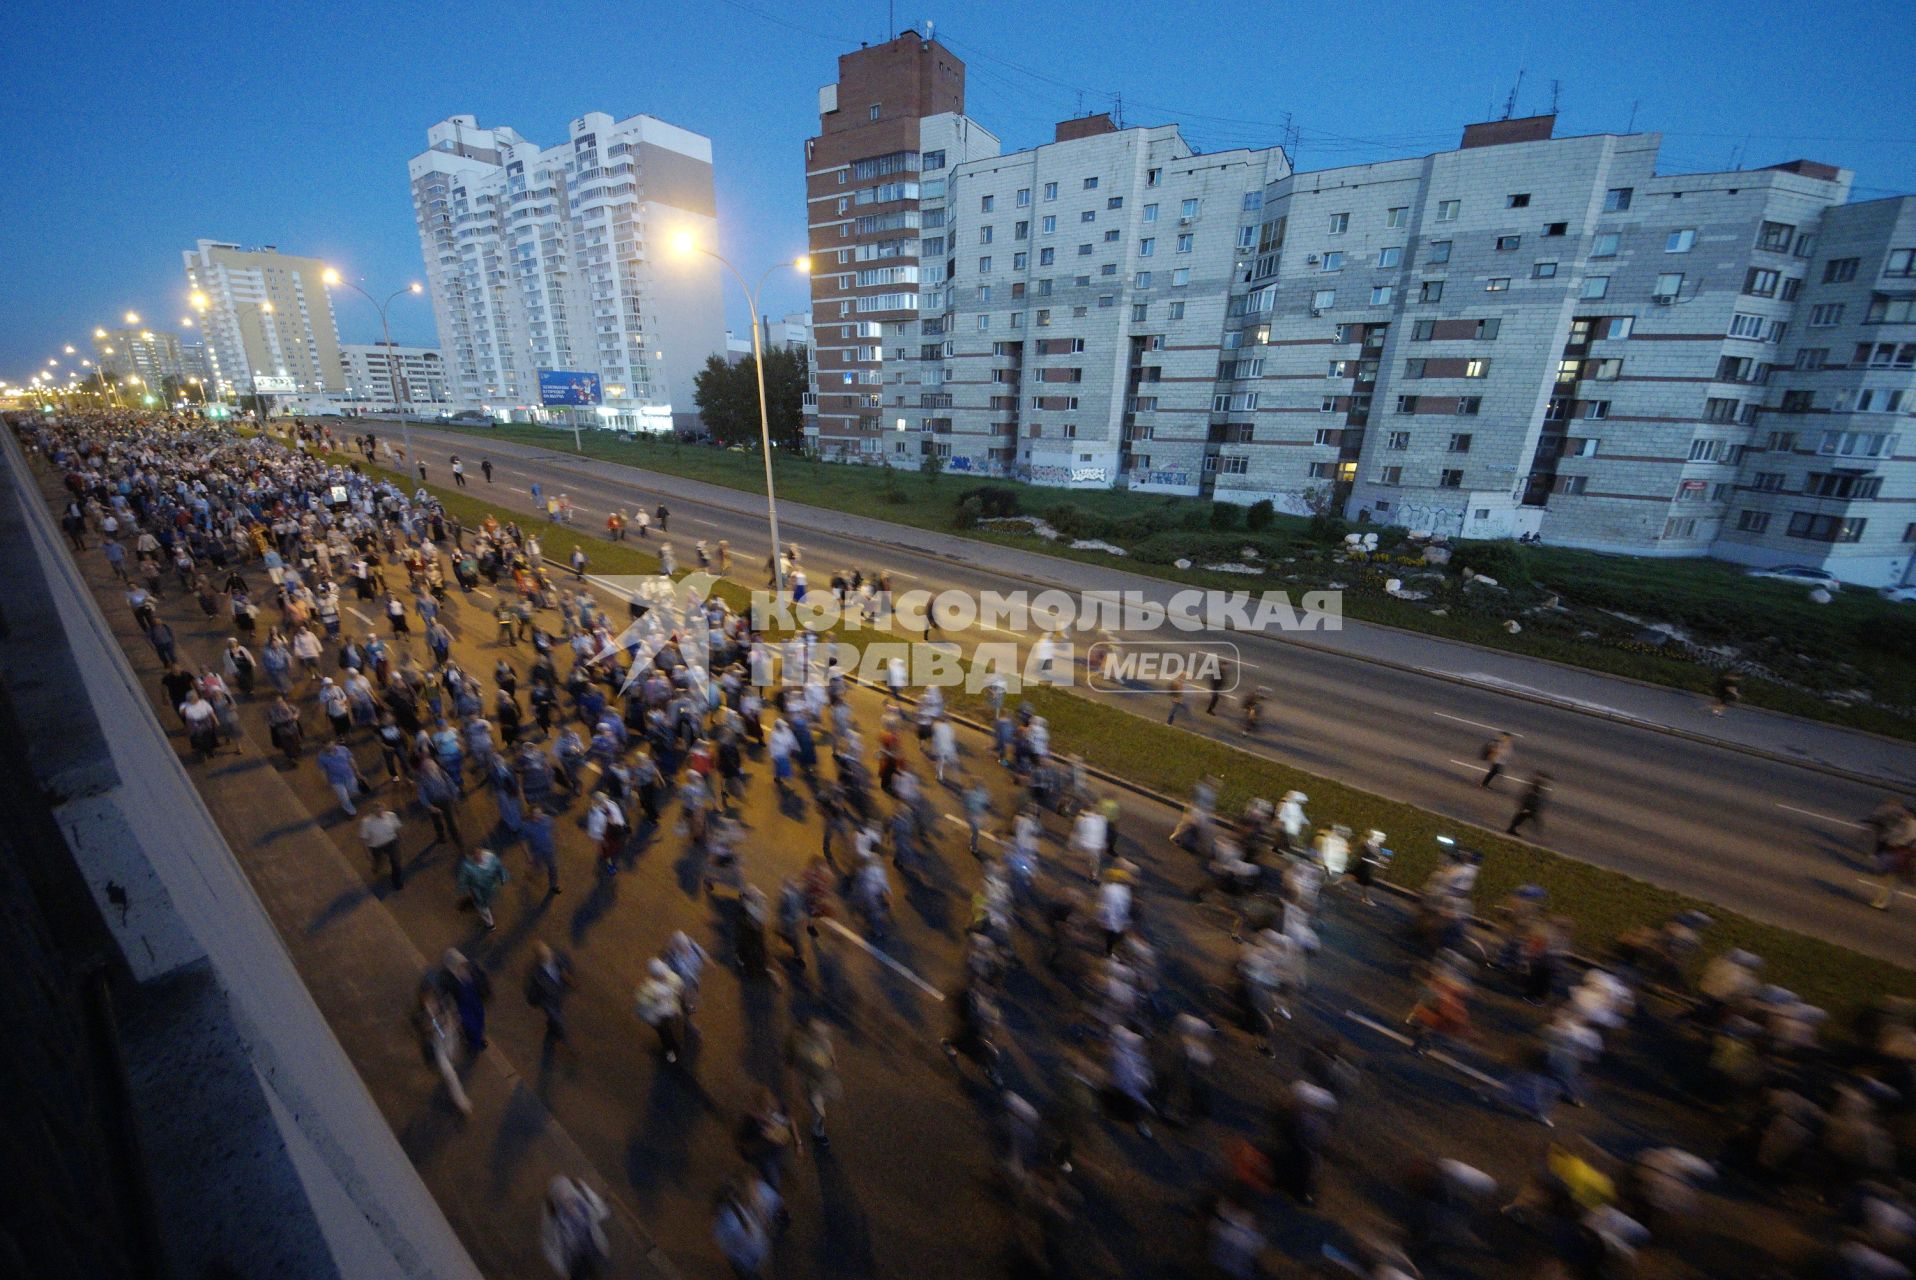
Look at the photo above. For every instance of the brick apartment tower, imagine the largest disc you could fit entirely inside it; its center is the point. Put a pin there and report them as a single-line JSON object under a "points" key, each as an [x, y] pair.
{"points": [[896, 110]]}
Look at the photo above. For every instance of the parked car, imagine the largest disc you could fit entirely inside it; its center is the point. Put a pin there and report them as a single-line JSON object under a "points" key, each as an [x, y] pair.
{"points": [[472, 416], [1801, 574], [1901, 595]]}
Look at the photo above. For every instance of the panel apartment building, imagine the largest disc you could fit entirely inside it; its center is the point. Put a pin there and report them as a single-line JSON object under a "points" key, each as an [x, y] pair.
{"points": [[559, 258], [381, 377], [1524, 335]]}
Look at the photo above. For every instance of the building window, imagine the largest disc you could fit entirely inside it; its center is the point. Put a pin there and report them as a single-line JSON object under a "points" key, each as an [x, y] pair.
{"points": [[1021, 231], [1476, 368], [1406, 404], [1552, 229], [1051, 191], [1752, 521], [1084, 250], [986, 203], [1517, 201], [1089, 215], [1594, 287], [1617, 199], [1091, 184], [1153, 177], [1380, 295], [1253, 201], [1185, 241], [1884, 309], [1177, 311], [1507, 244], [1605, 245], [1024, 197], [1150, 213], [1459, 442], [1826, 315], [1596, 410], [932, 160], [1323, 299], [1106, 299], [1139, 312], [1680, 527], [1497, 284], [1147, 246], [1144, 280], [984, 265], [874, 111], [1439, 252], [1822, 528], [1431, 291], [1340, 223], [1048, 224], [1397, 217], [1390, 257], [1901, 262], [1450, 478], [1391, 475], [1412, 368], [1188, 209], [1840, 270], [1111, 237], [1469, 406], [1447, 210], [1047, 256], [1761, 283], [1680, 241], [1543, 270], [1180, 277], [1668, 286], [1334, 260], [1775, 237], [1570, 484], [1114, 202]]}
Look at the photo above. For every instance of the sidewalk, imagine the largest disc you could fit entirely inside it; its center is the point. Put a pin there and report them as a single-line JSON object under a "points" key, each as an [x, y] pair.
{"points": [[488, 1174], [1791, 739]]}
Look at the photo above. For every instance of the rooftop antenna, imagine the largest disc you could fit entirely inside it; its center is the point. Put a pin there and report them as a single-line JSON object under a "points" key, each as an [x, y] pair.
{"points": [[1556, 90], [1632, 126], [1510, 103], [1078, 110], [891, 19], [1118, 109]]}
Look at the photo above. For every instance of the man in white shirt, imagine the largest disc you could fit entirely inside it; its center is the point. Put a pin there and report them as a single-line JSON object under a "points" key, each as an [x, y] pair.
{"points": [[380, 831]]}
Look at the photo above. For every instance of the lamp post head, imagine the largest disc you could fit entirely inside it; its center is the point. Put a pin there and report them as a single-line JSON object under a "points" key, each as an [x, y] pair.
{"points": [[329, 276], [198, 300], [266, 308], [685, 244], [132, 317], [416, 287], [803, 264], [99, 333]]}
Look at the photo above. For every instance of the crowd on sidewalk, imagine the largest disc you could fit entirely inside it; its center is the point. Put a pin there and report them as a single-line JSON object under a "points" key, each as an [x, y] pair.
{"points": [[633, 721]]}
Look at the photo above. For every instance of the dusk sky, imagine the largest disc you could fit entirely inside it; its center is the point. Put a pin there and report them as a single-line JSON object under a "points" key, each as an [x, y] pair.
{"points": [[138, 127]]}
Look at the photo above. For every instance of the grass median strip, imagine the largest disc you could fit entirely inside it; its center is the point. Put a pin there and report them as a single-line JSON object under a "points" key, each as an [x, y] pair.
{"points": [[1169, 761]]}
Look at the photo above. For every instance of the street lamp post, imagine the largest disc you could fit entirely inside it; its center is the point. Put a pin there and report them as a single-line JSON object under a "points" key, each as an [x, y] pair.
{"points": [[687, 244], [333, 277]]}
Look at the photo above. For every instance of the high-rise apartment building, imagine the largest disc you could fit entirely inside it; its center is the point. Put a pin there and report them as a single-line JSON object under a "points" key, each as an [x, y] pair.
{"points": [[1524, 335], [394, 377], [153, 355], [890, 130], [560, 258], [266, 319]]}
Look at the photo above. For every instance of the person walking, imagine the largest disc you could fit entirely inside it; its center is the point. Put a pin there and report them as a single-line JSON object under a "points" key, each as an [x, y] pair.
{"points": [[1893, 827], [480, 875], [342, 774], [809, 1052], [658, 1000], [380, 831], [1530, 806], [485, 466], [439, 797], [438, 1023], [467, 988], [540, 848], [1494, 754], [572, 1231], [547, 987], [458, 471]]}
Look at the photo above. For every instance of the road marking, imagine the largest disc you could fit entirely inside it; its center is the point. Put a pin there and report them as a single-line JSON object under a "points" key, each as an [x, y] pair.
{"points": [[1435, 1055], [884, 959], [357, 614], [1470, 764], [1904, 893], [1477, 723], [483, 592], [1821, 817], [513, 488], [958, 821]]}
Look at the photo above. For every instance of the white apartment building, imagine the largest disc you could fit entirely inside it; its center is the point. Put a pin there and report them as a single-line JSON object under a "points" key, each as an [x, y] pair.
{"points": [[1524, 335], [266, 319], [793, 333], [560, 258], [379, 377]]}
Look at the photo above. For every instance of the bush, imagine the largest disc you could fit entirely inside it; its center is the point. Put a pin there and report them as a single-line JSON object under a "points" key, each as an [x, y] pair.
{"points": [[1195, 518], [1328, 528], [1225, 515], [969, 509], [1260, 515], [1209, 546], [1504, 561], [1073, 521], [994, 501]]}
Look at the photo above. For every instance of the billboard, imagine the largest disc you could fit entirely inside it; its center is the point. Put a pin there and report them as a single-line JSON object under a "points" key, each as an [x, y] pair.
{"points": [[568, 386], [274, 384]]}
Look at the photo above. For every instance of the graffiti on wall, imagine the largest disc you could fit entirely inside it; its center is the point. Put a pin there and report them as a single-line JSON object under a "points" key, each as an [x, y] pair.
{"points": [[1046, 473], [1421, 517]]}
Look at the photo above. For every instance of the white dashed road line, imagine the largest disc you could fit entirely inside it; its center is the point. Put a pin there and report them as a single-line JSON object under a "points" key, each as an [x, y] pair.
{"points": [[883, 959], [1821, 817], [1475, 723]]}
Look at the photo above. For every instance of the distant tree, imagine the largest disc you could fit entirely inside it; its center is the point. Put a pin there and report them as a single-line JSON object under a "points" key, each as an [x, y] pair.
{"points": [[931, 464], [727, 398]]}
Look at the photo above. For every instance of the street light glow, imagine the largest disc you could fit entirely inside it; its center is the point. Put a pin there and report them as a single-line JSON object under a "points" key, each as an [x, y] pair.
{"points": [[197, 300], [416, 287], [684, 243], [99, 333], [69, 348], [329, 276], [266, 307], [132, 317], [803, 264]]}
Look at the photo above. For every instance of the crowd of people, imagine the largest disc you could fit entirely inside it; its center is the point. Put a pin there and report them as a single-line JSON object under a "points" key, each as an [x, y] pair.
{"points": [[613, 711]]}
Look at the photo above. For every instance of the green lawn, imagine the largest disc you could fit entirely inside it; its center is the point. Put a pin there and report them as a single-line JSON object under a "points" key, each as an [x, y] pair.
{"points": [[1169, 761], [1824, 656]]}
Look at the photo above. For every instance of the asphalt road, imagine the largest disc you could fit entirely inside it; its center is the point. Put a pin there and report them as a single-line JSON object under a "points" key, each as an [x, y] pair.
{"points": [[1773, 840], [909, 1185]]}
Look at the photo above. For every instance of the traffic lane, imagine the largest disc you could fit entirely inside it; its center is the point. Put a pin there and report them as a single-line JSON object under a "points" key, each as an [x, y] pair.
{"points": [[871, 1189], [1615, 782]]}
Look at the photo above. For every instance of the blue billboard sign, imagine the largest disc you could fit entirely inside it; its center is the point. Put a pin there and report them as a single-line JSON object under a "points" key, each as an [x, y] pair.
{"points": [[568, 386]]}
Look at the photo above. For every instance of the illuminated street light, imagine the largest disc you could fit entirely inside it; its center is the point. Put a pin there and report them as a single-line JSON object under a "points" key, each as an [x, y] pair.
{"points": [[132, 317], [685, 244], [331, 276]]}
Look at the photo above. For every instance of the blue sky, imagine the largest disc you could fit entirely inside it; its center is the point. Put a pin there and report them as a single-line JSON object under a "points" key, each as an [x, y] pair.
{"points": [[138, 127]]}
